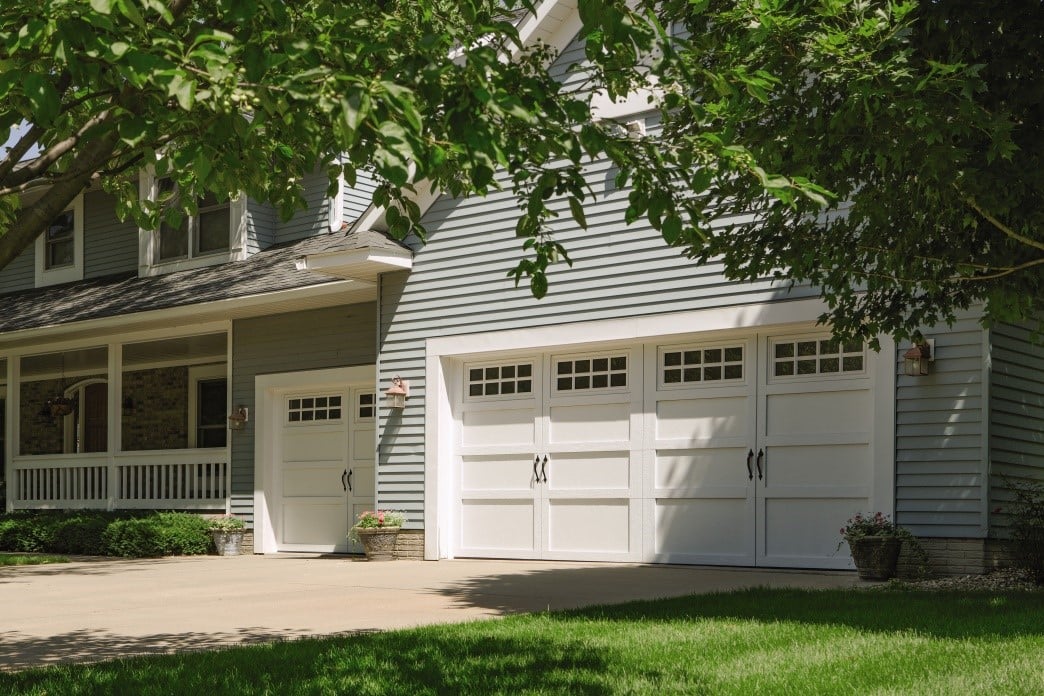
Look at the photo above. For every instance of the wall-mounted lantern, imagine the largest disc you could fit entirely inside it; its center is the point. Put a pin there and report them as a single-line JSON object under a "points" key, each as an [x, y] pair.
{"points": [[397, 393], [916, 360], [237, 420]]}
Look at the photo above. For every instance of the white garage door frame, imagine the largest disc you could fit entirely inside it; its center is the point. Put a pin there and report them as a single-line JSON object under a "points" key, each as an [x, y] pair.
{"points": [[445, 358], [267, 423]]}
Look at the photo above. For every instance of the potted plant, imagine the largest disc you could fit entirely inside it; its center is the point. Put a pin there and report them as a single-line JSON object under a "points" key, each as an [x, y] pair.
{"points": [[377, 531], [227, 533], [875, 542]]}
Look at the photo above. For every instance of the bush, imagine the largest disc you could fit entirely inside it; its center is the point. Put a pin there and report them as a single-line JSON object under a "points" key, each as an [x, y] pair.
{"points": [[1027, 528], [101, 533]]}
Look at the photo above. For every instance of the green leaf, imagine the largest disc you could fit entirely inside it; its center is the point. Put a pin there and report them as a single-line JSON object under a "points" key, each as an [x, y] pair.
{"points": [[577, 209], [42, 96], [538, 284], [182, 89], [133, 130], [102, 6]]}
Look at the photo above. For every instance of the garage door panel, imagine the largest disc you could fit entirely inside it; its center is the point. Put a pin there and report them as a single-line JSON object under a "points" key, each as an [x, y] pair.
{"points": [[312, 479], [818, 412], [703, 418], [589, 423], [497, 474], [703, 468], [817, 466], [315, 524], [704, 528], [597, 470], [498, 428], [590, 526], [314, 444], [499, 525], [363, 447], [803, 531], [364, 481]]}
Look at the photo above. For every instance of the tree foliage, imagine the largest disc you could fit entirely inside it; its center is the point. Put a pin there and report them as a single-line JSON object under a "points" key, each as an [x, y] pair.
{"points": [[885, 151]]}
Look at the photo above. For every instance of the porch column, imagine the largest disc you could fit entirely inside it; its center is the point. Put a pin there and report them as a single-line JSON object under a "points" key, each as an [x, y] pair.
{"points": [[11, 428], [115, 421]]}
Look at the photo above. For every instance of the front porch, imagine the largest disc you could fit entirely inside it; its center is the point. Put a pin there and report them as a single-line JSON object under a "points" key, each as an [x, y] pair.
{"points": [[140, 422]]}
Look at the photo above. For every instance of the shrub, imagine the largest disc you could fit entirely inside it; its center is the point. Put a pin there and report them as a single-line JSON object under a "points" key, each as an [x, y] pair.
{"points": [[97, 532], [1027, 528]]}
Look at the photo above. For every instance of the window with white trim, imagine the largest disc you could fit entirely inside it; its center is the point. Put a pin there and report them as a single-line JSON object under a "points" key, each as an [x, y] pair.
{"points": [[309, 409], [365, 406], [510, 379], [806, 357], [590, 372], [691, 365], [59, 249], [215, 233]]}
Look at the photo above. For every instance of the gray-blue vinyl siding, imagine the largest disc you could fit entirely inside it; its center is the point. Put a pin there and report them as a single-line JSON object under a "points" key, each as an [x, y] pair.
{"points": [[940, 437], [315, 218], [109, 246], [357, 198], [1016, 416], [20, 274], [261, 226], [296, 341]]}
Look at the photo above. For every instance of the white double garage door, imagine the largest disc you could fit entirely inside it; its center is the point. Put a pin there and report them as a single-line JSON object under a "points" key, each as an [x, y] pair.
{"points": [[750, 450]]}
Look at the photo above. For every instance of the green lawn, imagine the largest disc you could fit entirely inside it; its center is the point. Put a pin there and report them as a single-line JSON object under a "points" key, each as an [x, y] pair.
{"points": [[748, 642], [21, 559]]}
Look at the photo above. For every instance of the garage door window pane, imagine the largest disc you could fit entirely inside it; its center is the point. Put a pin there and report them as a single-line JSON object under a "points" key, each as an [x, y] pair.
{"points": [[500, 380], [313, 408], [701, 365], [824, 356], [585, 374]]}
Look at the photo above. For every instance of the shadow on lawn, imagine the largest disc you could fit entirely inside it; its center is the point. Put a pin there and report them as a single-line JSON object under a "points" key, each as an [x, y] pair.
{"points": [[19, 651], [756, 596], [380, 663]]}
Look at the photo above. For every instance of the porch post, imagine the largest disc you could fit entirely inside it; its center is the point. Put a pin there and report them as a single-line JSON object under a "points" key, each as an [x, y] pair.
{"points": [[115, 420], [11, 434]]}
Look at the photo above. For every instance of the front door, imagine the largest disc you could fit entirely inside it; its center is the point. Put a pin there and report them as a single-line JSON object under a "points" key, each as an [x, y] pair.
{"points": [[95, 420], [325, 465]]}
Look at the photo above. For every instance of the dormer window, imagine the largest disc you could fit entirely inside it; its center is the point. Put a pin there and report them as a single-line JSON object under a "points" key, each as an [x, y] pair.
{"points": [[215, 234], [59, 249], [207, 232]]}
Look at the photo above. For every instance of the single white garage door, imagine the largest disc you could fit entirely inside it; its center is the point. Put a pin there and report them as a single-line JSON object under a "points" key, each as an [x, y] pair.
{"points": [[326, 466], [750, 450], [550, 457]]}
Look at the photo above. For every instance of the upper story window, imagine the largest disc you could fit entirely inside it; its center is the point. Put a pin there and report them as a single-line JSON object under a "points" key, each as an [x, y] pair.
{"points": [[215, 234], [59, 250], [207, 232]]}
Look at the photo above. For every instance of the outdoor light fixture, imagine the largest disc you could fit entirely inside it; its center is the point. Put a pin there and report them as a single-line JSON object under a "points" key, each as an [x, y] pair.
{"points": [[398, 392], [237, 420], [917, 359]]}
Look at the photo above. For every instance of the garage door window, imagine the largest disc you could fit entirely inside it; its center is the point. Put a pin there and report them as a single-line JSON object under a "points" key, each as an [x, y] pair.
{"points": [[513, 379], [694, 365], [366, 406], [594, 372], [807, 357], [308, 409]]}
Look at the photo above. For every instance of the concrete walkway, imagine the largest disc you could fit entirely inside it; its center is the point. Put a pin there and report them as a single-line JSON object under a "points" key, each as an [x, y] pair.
{"points": [[100, 609]]}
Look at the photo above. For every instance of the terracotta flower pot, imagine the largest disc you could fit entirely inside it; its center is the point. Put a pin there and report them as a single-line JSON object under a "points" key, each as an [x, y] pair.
{"points": [[875, 557], [378, 542]]}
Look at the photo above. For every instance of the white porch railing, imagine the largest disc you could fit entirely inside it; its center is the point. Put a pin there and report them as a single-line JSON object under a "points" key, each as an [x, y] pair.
{"points": [[196, 479]]}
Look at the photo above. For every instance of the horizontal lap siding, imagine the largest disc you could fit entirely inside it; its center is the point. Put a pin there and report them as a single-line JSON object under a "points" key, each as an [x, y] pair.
{"points": [[308, 340], [358, 198], [940, 485], [1016, 417], [20, 274], [261, 226], [313, 220], [109, 246]]}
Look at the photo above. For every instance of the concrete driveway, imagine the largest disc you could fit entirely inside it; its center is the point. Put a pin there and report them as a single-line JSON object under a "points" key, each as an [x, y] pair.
{"points": [[100, 609]]}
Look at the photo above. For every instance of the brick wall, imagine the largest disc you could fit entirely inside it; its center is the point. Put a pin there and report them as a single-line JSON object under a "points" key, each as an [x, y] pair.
{"points": [[410, 544], [159, 417], [954, 557], [41, 433]]}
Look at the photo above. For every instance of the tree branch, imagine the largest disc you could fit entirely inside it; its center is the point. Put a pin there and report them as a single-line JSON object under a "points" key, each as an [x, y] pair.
{"points": [[42, 163], [15, 154], [1022, 239]]}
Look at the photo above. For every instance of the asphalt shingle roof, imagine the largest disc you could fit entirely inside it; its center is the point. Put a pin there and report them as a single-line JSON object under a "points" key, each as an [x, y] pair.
{"points": [[270, 270]]}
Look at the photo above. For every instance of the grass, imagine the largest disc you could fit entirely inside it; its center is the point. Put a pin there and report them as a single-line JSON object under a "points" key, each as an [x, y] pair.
{"points": [[22, 559], [746, 642]]}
